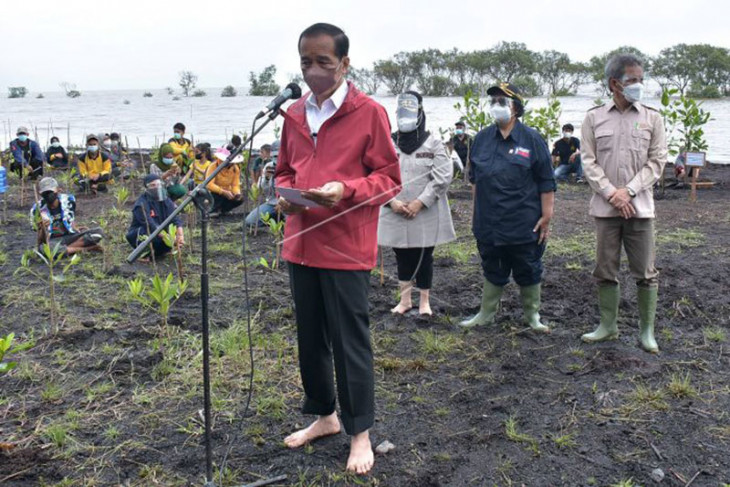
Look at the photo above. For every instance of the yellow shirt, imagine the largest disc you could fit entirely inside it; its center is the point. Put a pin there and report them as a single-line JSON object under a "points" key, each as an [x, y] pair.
{"points": [[199, 170], [183, 153], [229, 179], [99, 166]]}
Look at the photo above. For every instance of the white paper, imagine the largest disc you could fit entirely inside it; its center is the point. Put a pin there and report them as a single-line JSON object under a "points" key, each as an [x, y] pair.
{"points": [[294, 196]]}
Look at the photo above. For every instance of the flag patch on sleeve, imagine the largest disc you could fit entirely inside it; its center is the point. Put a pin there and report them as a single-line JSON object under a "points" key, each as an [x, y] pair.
{"points": [[522, 152]]}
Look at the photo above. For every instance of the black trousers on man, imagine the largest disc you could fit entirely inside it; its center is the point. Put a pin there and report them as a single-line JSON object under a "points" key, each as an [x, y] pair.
{"points": [[331, 308]]}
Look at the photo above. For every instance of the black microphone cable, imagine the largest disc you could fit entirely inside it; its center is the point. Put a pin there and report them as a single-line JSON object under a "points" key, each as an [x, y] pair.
{"points": [[244, 245]]}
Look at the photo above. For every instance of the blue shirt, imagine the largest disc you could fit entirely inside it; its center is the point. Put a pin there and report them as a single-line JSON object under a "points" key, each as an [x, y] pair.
{"points": [[509, 175]]}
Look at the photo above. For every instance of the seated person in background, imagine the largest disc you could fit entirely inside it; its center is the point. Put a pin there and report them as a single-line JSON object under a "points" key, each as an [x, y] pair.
{"points": [[106, 149], [119, 156], [226, 186], [56, 155], [95, 169], [150, 210], [268, 191], [566, 153], [234, 143], [165, 167], [203, 159], [258, 163], [26, 152], [182, 148], [53, 218]]}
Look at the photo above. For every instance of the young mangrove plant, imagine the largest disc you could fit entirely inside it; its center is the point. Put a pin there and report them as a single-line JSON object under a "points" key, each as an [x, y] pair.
{"points": [[6, 343], [276, 228], [169, 236], [160, 297], [51, 257]]}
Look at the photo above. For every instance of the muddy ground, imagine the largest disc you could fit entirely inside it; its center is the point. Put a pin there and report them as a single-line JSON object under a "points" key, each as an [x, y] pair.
{"points": [[113, 399]]}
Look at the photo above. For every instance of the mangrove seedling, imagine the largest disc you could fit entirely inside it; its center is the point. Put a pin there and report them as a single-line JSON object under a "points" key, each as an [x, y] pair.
{"points": [[5, 343], [169, 236], [51, 257], [162, 295], [276, 227]]}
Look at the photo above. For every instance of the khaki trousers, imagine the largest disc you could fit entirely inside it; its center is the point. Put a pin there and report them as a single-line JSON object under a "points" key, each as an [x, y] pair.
{"points": [[637, 236]]}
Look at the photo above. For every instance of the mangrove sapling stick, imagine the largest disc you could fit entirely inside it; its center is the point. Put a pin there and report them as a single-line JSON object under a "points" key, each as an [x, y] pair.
{"points": [[178, 261], [382, 268], [141, 157]]}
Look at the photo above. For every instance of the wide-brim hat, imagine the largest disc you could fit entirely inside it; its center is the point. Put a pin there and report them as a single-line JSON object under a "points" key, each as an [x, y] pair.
{"points": [[223, 154]]}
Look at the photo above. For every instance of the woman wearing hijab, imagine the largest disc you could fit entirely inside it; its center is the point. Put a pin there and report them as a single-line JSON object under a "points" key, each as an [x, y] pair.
{"points": [[56, 155], [418, 218]]}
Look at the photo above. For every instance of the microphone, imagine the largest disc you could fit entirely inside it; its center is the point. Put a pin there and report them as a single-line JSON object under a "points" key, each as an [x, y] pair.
{"points": [[291, 92]]}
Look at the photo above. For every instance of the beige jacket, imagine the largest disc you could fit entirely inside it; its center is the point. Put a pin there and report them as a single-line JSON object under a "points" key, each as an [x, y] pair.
{"points": [[623, 150]]}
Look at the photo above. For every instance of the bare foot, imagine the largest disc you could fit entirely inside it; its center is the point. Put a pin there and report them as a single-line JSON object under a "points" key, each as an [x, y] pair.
{"points": [[361, 454], [425, 309], [322, 426], [401, 309]]}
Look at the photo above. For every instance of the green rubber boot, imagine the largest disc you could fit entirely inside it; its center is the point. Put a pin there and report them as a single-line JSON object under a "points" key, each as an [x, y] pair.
{"points": [[490, 302], [647, 314], [608, 298], [531, 307]]}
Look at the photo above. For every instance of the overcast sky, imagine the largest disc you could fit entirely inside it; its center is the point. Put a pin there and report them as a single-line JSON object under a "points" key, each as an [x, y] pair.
{"points": [[143, 44]]}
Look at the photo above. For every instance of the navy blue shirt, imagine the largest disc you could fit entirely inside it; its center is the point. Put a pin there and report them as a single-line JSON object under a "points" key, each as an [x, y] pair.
{"points": [[509, 175], [147, 211]]}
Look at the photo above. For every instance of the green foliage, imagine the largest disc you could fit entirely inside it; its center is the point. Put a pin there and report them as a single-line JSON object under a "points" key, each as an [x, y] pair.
{"points": [[6, 348], [160, 297], [700, 70], [51, 257], [199, 93], [263, 83], [474, 112], [684, 119], [559, 74], [17, 92], [229, 92], [545, 120], [121, 195], [395, 73]]}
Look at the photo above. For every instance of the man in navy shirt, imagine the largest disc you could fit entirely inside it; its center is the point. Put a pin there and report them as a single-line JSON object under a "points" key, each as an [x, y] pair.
{"points": [[514, 192], [566, 152]]}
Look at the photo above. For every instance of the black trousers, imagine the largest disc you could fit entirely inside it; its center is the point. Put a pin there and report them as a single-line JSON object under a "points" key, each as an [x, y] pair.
{"points": [[35, 171], [331, 309], [415, 263], [223, 204]]}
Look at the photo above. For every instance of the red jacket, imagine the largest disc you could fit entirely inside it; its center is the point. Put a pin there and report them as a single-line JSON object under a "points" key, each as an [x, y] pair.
{"points": [[355, 148]]}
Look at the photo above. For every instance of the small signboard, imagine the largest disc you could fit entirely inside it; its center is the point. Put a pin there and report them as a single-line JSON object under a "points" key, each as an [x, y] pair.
{"points": [[695, 159]]}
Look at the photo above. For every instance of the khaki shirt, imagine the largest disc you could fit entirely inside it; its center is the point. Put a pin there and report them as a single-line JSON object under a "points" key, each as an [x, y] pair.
{"points": [[623, 150]]}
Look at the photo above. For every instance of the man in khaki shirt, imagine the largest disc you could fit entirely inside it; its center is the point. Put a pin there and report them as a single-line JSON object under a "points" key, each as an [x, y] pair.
{"points": [[624, 150]]}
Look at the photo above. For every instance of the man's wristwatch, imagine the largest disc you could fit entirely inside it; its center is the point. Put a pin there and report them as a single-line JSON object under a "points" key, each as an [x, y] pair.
{"points": [[631, 192]]}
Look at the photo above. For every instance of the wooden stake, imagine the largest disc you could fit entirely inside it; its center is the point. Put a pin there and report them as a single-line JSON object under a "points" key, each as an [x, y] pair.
{"points": [[693, 193], [382, 267]]}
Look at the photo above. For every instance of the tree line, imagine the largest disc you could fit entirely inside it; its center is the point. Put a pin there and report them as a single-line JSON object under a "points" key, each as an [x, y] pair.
{"points": [[698, 70]]}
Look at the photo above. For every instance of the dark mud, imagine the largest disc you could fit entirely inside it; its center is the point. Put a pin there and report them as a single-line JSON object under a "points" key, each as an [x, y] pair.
{"points": [[494, 406]]}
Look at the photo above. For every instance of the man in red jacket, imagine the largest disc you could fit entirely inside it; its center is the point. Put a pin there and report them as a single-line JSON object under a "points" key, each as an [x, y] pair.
{"points": [[336, 147]]}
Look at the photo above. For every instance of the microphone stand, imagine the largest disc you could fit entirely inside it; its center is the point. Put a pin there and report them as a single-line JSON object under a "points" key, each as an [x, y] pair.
{"points": [[198, 196]]}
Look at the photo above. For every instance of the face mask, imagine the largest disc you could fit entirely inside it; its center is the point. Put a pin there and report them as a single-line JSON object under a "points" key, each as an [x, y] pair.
{"points": [[320, 79], [157, 194], [459, 131], [177, 135], [634, 92], [92, 148], [567, 135], [55, 144], [500, 114], [49, 197], [407, 112], [107, 143], [168, 161], [22, 137], [114, 143]]}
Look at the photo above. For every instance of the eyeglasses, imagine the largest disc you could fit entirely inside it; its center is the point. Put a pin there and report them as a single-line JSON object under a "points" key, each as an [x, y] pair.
{"points": [[502, 101]]}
